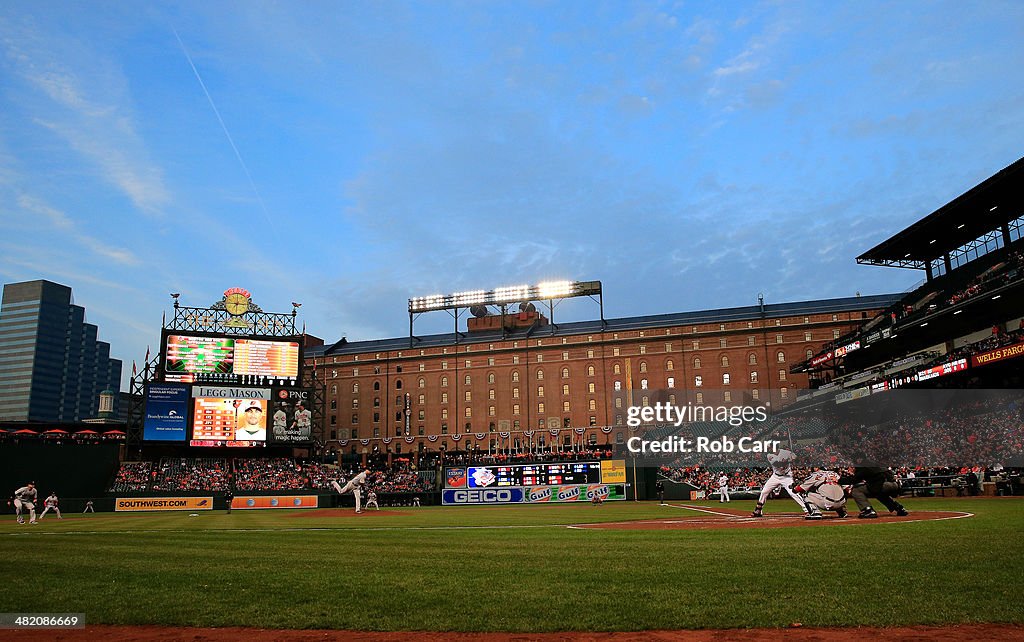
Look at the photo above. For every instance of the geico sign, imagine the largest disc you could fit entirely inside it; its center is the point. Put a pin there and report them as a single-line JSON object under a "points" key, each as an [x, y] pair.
{"points": [[495, 495]]}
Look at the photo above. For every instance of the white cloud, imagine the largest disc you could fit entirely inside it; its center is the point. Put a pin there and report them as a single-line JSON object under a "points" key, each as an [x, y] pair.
{"points": [[84, 99], [61, 221]]}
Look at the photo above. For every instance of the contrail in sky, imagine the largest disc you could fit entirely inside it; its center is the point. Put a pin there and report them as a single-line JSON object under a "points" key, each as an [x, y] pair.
{"points": [[209, 98]]}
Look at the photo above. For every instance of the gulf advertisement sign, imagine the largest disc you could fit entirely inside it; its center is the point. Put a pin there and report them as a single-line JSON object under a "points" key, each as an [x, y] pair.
{"points": [[133, 504], [572, 493], [274, 501]]}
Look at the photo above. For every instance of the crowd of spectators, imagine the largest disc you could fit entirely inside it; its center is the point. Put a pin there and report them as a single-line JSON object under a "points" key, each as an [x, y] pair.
{"points": [[276, 473], [400, 479], [132, 476], [318, 476], [185, 474], [974, 435], [996, 277]]}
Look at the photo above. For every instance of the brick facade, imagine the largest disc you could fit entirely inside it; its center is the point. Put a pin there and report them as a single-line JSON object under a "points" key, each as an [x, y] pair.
{"points": [[569, 379]]}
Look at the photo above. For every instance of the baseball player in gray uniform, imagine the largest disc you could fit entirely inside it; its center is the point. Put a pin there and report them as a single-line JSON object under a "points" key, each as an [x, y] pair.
{"points": [[371, 500], [723, 489], [782, 477], [50, 503], [26, 497], [821, 491], [355, 484]]}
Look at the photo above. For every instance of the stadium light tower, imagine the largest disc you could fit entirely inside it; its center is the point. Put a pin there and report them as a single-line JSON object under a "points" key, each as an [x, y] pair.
{"points": [[549, 291]]}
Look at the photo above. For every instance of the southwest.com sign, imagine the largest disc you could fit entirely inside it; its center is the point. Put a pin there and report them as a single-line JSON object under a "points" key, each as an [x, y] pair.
{"points": [[163, 503]]}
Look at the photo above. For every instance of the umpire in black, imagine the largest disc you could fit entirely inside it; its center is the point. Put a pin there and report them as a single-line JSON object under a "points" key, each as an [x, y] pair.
{"points": [[872, 481]]}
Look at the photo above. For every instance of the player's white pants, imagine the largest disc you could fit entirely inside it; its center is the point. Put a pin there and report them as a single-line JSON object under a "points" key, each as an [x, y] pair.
{"points": [[19, 504], [88, 509], [350, 487], [827, 497], [724, 492], [47, 510], [777, 481], [415, 501], [372, 502]]}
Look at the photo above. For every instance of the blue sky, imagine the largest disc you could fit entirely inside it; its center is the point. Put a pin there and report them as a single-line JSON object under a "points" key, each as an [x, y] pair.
{"points": [[688, 155]]}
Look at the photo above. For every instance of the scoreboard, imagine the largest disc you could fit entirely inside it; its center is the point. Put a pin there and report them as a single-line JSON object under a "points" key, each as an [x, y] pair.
{"points": [[276, 359], [221, 359], [197, 354], [518, 484], [534, 475]]}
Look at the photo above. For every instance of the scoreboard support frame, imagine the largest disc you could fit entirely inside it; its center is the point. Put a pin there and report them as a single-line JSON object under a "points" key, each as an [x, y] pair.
{"points": [[215, 319]]}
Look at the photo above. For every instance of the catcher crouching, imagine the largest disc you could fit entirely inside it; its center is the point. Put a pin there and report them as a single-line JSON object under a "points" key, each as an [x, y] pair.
{"points": [[821, 492]]}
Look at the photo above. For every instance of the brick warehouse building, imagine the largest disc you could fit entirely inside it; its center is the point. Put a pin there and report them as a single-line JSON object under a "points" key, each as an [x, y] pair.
{"points": [[574, 375]]}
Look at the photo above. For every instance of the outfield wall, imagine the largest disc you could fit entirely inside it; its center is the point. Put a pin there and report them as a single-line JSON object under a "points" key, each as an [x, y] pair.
{"points": [[70, 470]]}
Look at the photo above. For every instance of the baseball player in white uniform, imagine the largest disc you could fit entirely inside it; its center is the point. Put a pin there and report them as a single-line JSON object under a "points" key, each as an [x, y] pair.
{"points": [[50, 503], [723, 488], [821, 491], [782, 477], [371, 500], [26, 497], [354, 485]]}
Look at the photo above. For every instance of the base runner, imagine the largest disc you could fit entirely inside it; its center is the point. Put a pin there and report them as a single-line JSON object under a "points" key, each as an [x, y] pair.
{"points": [[782, 477], [354, 485]]}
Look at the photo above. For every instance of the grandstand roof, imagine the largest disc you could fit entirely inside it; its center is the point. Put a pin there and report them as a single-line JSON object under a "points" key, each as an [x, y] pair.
{"points": [[824, 306], [975, 213]]}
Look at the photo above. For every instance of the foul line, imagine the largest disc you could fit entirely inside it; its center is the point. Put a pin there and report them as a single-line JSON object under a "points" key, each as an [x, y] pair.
{"points": [[704, 510], [31, 532]]}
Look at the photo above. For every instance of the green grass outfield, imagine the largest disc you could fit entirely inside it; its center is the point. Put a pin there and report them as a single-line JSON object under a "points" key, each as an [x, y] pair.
{"points": [[515, 569]]}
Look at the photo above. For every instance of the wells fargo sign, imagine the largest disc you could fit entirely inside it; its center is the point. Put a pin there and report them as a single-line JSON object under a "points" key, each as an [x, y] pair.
{"points": [[999, 354]]}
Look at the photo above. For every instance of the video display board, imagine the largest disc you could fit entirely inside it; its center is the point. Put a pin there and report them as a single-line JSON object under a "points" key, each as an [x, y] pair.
{"points": [[185, 354], [291, 417], [196, 358], [528, 475], [273, 359], [166, 412], [229, 416]]}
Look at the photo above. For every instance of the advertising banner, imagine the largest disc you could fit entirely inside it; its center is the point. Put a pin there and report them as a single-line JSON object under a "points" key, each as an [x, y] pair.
{"points": [[574, 493], [166, 412], [532, 495], [291, 417], [129, 504], [455, 497], [455, 477], [274, 501], [992, 356], [613, 471], [230, 414], [942, 370]]}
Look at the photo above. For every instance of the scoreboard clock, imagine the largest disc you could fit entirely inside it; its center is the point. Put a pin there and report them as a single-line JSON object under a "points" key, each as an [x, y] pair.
{"points": [[236, 301]]}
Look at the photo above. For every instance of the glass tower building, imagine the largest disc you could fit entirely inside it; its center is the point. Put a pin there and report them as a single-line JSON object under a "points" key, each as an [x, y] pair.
{"points": [[52, 367]]}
